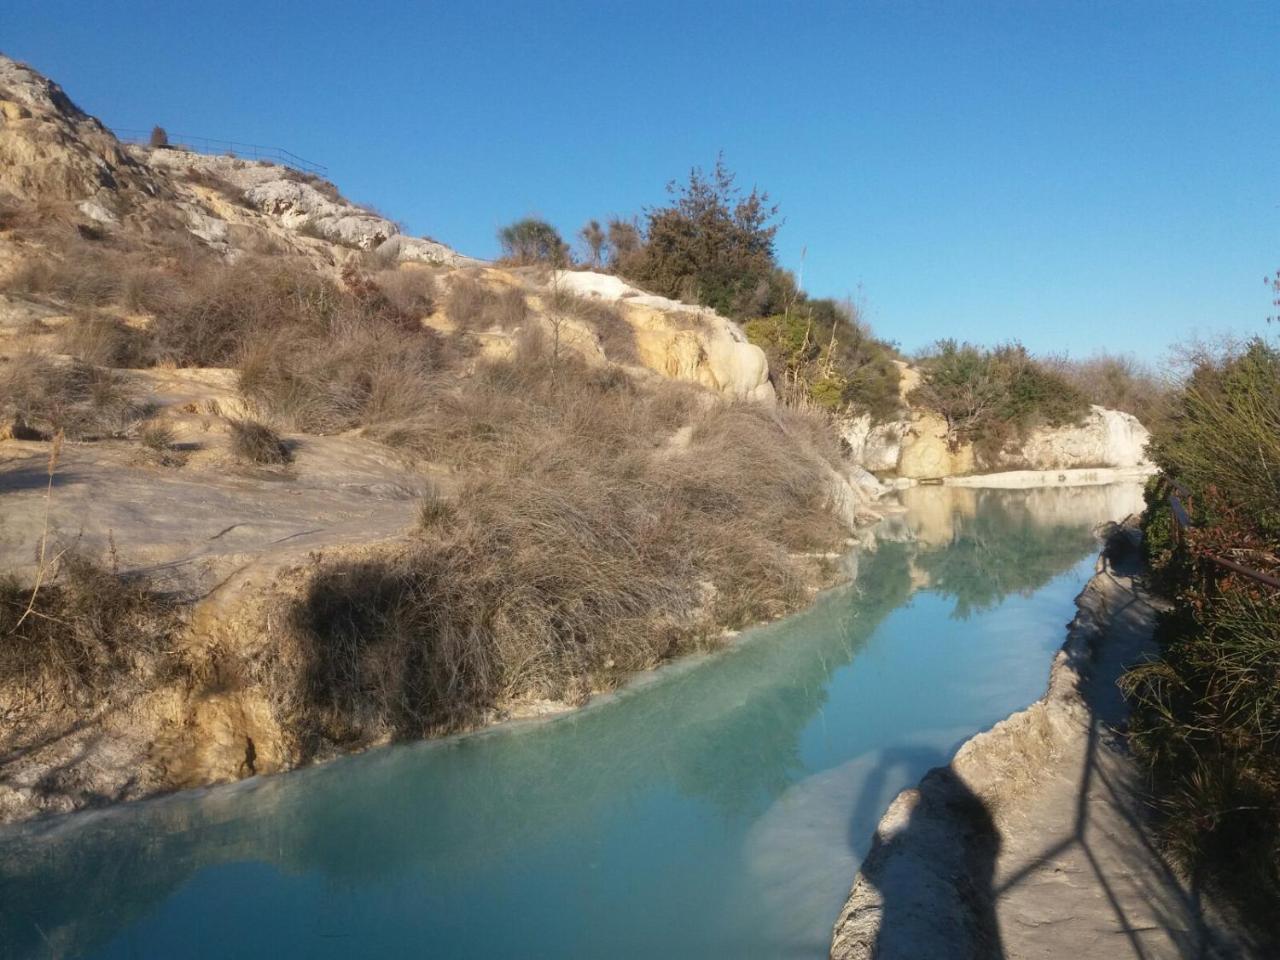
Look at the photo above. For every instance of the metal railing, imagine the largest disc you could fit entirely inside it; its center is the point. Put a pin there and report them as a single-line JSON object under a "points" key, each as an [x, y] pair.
{"points": [[1182, 523], [248, 151]]}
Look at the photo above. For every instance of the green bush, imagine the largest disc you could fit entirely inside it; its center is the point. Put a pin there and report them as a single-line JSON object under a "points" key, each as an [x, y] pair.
{"points": [[989, 397], [1206, 713], [712, 245], [821, 353], [533, 241]]}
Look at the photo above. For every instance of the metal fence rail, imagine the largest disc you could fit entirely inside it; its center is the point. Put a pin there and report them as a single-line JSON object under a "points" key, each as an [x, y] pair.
{"points": [[1182, 523], [249, 151]]}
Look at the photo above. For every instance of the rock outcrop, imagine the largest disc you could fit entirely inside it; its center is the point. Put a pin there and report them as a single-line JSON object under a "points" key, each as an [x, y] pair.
{"points": [[917, 447], [51, 150], [681, 341], [303, 203], [1106, 438]]}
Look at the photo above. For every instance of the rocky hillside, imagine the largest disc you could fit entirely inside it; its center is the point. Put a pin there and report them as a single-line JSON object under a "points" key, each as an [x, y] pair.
{"points": [[280, 481]]}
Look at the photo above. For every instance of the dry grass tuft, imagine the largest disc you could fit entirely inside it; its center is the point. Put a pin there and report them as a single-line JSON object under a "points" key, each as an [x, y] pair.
{"points": [[90, 630], [473, 306], [409, 290], [258, 443], [105, 342], [41, 397]]}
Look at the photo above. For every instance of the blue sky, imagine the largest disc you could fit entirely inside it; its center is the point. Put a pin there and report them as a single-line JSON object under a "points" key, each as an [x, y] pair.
{"points": [[1074, 175]]}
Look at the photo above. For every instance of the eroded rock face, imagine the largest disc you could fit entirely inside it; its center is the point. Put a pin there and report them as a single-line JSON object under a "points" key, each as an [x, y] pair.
{"points": [[304, 204], [1106, 438], [918, 448], [681, 341], [926, 452], [51, 150], [876, 446]]}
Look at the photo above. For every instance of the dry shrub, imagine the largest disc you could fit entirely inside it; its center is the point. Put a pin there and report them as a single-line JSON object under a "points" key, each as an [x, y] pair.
{"points": [[584, 544], [89, 629], [41, 397], [1119, 382], [222, 304], [258, 443], [617, 336], [361, 373], [410, 290], [473, 306], [105, 341], [71, 270]]}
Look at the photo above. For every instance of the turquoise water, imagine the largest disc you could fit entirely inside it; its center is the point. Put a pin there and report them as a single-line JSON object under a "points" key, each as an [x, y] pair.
{"points": [[717, 809]]}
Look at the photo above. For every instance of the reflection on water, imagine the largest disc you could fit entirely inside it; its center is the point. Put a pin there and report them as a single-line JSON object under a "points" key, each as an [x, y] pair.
{"points": [[717, 809]]}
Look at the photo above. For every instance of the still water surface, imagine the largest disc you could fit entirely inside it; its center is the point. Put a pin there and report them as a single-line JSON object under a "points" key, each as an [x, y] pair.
{"points": [[718, 809]]}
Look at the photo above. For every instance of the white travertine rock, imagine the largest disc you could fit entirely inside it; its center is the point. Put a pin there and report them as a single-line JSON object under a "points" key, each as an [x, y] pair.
{"points": [[876, 447], [1106, 438], [681, 341], [296, 201]]}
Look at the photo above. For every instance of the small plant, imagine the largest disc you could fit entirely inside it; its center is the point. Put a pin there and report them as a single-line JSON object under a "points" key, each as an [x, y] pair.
{"points": [[596, 241], [157, 436], [533, 241], [258, 443], [434, 510], [159, 138]]}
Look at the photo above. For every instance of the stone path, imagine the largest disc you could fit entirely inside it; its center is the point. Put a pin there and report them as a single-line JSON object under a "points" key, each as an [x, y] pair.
{"points": [[1033, 842]]}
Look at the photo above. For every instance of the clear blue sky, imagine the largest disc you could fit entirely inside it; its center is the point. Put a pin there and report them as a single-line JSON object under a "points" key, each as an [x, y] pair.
{"points": [[1072, 174]]}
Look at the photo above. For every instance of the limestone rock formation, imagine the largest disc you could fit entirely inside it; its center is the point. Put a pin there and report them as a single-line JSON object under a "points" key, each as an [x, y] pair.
{"points": [[1106, 438], [51, 150], [917, 447], [681, 341]]}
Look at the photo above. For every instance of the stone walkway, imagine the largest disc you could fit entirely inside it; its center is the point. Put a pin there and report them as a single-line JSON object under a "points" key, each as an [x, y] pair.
{"points": [[1032, 843]]}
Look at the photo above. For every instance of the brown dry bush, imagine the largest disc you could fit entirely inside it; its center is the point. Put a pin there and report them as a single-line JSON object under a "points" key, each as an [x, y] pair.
{"points": [[583, 544], [360, 373], [223, 304], [89, 630], [606, 320], [473, 306], [105, 341], [71, 270], [410, 290], [258, 443], [40, 397]]}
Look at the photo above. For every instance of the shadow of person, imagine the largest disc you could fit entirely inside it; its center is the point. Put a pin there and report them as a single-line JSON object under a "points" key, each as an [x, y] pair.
{"points": [[926, 887]]}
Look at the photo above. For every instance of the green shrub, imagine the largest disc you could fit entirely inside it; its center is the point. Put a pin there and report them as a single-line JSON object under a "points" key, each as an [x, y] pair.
{"points": [[821, 353], [712, 245], [1206, 713], [533, 241], [989, 397]]}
